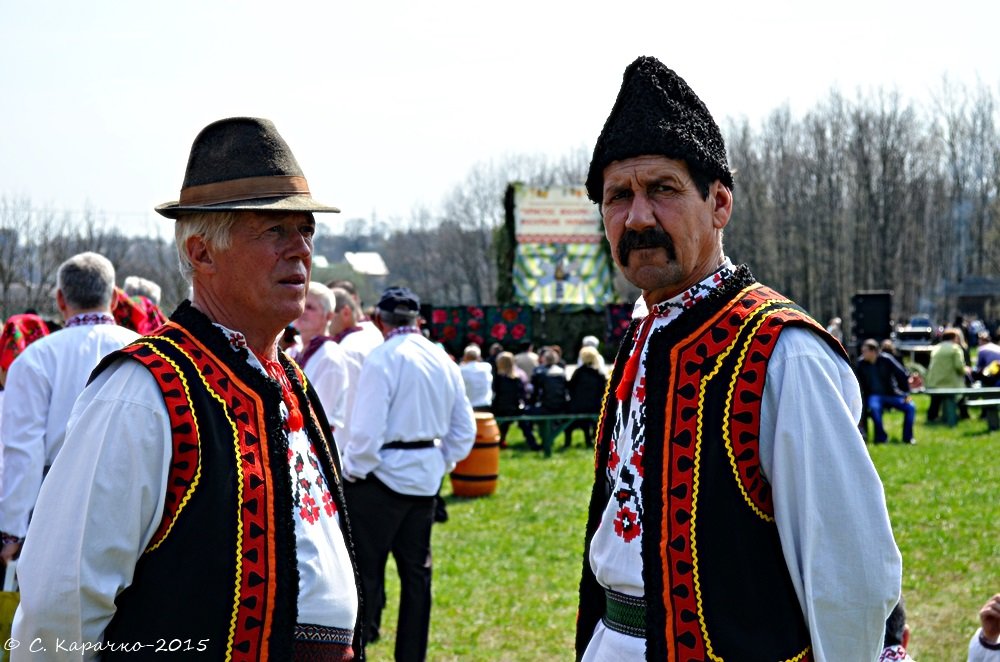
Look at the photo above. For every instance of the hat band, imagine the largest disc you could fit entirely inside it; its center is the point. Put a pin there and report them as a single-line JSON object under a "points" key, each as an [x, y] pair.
{"points": [[248, 188]]}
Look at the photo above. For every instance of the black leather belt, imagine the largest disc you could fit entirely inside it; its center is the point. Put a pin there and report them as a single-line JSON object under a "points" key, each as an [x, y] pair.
{"points": [[410, 445]]}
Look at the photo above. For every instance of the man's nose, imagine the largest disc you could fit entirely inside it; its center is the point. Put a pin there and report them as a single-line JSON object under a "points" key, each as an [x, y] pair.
{"points": [[640, 213], [300, 244]]}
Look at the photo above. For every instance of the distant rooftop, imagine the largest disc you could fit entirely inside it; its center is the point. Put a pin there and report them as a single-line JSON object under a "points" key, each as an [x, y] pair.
{"points": [[368, 263]]}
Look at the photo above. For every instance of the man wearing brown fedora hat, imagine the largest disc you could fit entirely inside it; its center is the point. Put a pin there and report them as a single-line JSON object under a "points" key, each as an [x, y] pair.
{"points": [[197, 505], [735, 513]]}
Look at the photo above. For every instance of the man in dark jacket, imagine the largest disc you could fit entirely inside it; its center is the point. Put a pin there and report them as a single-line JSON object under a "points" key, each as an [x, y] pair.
{"points": [[885, 384], [549, 386]]}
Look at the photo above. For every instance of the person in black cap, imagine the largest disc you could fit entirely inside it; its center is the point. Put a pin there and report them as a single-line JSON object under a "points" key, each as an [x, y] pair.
{"points": [[197, 500], [411, 423], [734, 501]]}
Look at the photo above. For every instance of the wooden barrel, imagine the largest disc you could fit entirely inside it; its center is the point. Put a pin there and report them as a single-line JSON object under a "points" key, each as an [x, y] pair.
{"points": [[476, 475]]}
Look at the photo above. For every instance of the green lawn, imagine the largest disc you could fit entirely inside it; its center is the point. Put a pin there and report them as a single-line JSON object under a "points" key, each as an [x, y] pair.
{"points": [[506, 567]]}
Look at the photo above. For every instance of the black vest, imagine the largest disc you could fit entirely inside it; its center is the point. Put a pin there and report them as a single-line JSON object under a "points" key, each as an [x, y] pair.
{"points": [[220, 575], [718, 588]]}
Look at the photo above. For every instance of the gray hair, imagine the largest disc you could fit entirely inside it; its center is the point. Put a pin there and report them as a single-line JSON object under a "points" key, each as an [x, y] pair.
{"points": [[396, 320], [138, 286], [324, 294], [472, 353], [87, 281], [214, 227]]}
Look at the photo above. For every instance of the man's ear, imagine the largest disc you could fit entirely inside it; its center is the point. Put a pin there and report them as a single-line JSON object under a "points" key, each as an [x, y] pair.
{"points": [[61, 303], [200, 254], [721, 199]]}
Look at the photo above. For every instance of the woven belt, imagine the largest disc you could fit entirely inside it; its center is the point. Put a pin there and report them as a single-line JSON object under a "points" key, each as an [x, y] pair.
{"points": [[624, 613], [410, 445], [322, 643]]}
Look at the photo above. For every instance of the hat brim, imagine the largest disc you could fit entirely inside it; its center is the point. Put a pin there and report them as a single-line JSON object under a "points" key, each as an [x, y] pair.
{"points": [[290, 203]]}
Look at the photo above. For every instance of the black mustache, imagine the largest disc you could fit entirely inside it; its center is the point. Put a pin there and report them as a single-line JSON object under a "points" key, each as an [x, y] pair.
{"points": [[632, 240]]}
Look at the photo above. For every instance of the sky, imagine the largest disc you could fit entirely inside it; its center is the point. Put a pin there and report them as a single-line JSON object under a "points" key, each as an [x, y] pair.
{"points": [[388, 104]]}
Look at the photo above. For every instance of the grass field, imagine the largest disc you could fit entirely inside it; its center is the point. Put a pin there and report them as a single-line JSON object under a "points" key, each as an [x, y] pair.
{"points": [[506, 567]]}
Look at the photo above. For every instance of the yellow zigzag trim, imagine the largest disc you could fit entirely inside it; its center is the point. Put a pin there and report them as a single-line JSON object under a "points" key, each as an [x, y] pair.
{"points": [[239, 487], [762, 310], [730, 394], [599, 432], [194, 417]]}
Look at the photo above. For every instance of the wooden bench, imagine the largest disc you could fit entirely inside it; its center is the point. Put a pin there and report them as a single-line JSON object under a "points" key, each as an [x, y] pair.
{"points": [[990, 407], [950, 404], [549, 425]]}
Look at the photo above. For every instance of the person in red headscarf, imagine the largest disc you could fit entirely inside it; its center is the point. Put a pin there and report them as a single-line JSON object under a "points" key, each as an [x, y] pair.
{"points": [[18, 332], [138, 312]]}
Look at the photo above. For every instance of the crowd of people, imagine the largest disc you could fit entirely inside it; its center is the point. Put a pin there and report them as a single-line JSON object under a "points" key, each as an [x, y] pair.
{"points": [[235, 477], [886, 383], [533, 383]]}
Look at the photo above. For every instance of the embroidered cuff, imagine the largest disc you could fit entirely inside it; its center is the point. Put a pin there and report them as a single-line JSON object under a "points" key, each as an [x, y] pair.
{"points": [[7, 539], [986, 644]]}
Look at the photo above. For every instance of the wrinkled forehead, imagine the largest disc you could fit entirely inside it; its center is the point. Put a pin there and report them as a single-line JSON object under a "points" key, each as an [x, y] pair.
{"points": [[617, 172]]}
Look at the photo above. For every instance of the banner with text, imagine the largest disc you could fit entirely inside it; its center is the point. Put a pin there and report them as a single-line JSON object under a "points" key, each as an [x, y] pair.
{"points": [[555, 215], [558, 257]]}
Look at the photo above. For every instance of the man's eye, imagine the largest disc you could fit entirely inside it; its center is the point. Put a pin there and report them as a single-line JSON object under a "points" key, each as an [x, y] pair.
{"points": [[309, 230]]}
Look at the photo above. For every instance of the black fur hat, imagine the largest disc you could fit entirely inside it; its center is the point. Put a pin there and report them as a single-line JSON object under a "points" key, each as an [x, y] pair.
{"points": [[656, 113], [242, 163]]}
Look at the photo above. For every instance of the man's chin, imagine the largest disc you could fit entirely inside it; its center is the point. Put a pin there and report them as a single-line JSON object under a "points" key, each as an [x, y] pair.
{"points": [[651, 275]]}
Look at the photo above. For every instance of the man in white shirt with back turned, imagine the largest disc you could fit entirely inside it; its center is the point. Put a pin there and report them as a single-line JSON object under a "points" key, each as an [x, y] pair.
{"points": [[411, 423], [44, 382], [478, 377]]}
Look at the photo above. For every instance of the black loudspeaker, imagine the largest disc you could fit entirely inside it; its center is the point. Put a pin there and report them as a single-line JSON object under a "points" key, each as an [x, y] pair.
{"points": [[871, 315]]}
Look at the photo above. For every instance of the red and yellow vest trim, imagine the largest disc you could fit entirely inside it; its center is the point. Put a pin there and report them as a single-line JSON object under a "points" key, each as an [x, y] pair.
{"points": [[251, 611], [710, 543]]}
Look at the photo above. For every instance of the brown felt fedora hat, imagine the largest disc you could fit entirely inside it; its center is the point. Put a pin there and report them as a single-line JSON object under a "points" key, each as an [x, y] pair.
{"points": [[242, 163]]}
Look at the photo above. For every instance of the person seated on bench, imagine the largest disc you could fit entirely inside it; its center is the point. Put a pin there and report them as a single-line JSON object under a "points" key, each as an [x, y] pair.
{"points": [[549, 386], [509, 396], [884, 384], [987, 370], [586, 388]]}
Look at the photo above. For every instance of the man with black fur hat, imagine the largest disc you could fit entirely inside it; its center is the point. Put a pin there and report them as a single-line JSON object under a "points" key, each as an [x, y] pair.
{"points": [[735, 514], [411, 423], [197, 504]]}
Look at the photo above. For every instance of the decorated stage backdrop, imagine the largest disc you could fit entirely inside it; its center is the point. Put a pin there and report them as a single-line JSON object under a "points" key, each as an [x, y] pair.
{"points": [[514, 326], [559, 258]]}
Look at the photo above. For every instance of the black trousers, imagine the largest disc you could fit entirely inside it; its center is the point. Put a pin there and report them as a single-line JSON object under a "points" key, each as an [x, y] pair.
{"points": [[384, 521]]}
